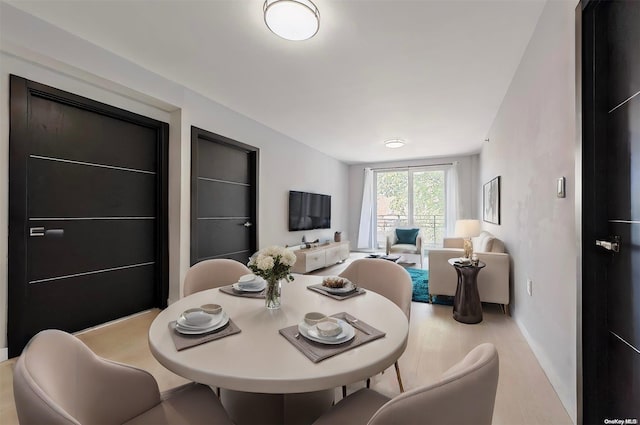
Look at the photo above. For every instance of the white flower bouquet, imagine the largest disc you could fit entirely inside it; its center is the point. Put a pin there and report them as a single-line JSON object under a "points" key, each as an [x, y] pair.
{"points": [[273, 264]]}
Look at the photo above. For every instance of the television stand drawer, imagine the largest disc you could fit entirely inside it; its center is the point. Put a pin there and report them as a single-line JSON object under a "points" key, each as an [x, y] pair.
{"points": [[308, 260]]}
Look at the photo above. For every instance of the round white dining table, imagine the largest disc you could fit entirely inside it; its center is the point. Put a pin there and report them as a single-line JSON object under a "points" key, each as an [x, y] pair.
{"points": [[260, 360]]}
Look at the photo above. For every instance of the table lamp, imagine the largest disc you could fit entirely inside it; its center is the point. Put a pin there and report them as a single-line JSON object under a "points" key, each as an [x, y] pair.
{"points": [[467, 229]]}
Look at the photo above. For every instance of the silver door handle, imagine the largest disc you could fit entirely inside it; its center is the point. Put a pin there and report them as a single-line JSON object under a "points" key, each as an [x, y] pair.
{"points": [[39, 231], [36, 231], [613, 245], [248, 224]]}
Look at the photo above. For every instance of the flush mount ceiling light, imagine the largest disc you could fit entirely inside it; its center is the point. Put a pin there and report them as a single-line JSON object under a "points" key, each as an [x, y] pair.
{"points": [[292, 19], [394, 143]]}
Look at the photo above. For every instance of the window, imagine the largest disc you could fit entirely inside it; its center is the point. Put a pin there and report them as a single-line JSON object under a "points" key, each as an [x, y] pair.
{"points": [[411, 198]]}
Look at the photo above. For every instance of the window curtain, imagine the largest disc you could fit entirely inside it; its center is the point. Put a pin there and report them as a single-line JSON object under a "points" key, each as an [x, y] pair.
{"points": [[453, 199], [366, 230]]}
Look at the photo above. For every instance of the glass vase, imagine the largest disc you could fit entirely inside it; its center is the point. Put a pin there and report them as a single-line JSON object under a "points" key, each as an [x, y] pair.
{"points": [[272, 294]]}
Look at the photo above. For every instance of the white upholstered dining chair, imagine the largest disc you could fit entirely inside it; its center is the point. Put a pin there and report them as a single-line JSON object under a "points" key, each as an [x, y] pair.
{"points": [[387, 279], [464, 394], [213, 273], [59, 380]]}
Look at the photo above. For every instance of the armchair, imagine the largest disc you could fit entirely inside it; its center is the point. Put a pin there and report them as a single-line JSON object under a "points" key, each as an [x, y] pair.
{"points": [[405, 241]]}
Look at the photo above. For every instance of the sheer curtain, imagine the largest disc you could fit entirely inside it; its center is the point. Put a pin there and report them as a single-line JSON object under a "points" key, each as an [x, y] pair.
{"points": [[366, 230], [453, 199]]}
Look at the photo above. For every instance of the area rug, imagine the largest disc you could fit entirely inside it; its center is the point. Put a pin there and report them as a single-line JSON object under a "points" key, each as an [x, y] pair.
{"points": [[420, 279]]}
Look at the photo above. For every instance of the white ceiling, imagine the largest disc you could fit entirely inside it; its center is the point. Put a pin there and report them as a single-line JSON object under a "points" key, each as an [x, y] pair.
{"points": [[431, 72]]}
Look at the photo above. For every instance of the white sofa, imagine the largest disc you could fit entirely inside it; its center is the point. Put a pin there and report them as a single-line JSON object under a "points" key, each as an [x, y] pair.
{"points": [[493, 280]]}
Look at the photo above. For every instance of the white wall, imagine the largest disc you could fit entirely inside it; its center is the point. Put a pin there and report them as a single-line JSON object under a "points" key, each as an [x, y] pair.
{"points": [[36, 50], [467, 178], [532, 143]]}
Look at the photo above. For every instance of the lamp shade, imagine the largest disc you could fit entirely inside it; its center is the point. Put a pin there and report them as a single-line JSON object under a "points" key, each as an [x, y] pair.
{"points": [[467, 228], [292, 19]]}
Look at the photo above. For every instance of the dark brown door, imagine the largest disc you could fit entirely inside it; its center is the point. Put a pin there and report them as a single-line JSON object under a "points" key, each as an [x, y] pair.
{"points": [[87, 196], [611, 216], [224, 197]]}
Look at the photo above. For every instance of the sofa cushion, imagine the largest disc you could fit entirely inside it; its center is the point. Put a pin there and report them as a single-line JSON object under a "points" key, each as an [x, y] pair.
{"points": [[407, 236], [483, 242]]}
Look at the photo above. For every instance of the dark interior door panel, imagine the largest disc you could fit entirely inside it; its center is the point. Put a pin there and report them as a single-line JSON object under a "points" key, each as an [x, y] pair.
{"points": [[63, 130], [218, 199], [222, 162], [78, 246], [80, 302], [59, 189], [218, 237]]}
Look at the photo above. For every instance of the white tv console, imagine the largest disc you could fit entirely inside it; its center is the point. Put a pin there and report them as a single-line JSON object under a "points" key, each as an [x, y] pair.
{"points": [[309, 259]]}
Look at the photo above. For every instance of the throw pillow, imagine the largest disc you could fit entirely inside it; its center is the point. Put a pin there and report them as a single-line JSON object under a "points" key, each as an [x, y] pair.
{"points": [[487, 244], [407, 236]]}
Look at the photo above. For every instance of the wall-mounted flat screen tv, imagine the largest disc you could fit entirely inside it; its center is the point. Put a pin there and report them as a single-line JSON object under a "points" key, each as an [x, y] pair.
{"points": [[309, 211]]}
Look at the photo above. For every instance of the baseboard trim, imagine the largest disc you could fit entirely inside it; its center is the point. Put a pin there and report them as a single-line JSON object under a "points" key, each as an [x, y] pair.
{"points": [[121, 319], [4, 354]]}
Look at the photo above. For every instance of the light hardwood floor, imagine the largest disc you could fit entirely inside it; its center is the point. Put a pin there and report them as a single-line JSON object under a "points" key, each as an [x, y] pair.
{"points": [[436, 342]]}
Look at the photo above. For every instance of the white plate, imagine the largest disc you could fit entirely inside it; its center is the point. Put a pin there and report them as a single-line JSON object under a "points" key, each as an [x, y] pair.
{"points": [[223, 321], [349, 287], [215, 319], [311, 332], [257, 288]]}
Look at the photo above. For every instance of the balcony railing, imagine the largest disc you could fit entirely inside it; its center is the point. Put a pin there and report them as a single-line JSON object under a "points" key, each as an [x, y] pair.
{"points": [[432, 226]]}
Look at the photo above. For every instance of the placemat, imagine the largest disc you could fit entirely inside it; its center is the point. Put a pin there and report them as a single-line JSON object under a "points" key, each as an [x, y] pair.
{"points": [[229, 290], [317, 352], [319, 288], [182, 341]]}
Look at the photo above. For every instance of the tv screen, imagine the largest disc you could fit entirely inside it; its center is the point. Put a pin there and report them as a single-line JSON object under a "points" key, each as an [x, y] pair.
{"points": [[309, 211]]}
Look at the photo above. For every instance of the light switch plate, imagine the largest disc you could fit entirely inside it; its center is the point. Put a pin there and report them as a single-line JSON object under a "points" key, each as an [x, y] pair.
{"points": [[561, 192]]}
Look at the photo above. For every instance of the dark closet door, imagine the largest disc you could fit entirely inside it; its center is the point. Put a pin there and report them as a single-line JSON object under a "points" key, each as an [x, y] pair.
{"points": [[87, 196], [224, 197], [611, 199]]}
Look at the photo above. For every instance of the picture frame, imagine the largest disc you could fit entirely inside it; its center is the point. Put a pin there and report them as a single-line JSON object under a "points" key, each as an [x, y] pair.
{"points": [[491, 201]]}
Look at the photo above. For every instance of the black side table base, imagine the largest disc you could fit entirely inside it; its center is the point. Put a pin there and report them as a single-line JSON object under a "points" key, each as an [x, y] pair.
{"points": [[469, 320], [467, 307]]}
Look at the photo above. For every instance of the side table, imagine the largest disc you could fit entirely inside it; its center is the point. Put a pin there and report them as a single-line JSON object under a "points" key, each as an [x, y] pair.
{"points": [[467, 307]]}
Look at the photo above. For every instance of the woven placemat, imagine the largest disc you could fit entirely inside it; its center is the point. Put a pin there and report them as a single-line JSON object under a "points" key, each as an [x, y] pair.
{"points": [[317, 352], [231, 291], [319, 288], [182, 341]]}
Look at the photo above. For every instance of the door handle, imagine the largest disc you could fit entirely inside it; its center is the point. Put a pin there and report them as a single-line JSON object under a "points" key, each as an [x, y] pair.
{"points": [[36, 231], [39, 231], [56, 233], [248, 224], [613, 245]]}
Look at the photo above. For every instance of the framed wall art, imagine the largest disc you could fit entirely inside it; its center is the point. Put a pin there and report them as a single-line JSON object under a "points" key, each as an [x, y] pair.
{"points": [[491, 201]]}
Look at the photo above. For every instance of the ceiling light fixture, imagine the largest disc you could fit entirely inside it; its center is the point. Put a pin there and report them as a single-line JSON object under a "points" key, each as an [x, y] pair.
{"points": [[292, 19], [394, 143]]}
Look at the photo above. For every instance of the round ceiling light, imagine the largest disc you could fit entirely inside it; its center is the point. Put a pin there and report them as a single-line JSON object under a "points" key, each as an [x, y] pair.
{"points": [[292, 19], [394, 143]]}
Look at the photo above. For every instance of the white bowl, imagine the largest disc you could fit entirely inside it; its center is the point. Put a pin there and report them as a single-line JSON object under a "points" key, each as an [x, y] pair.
{"points": [[328, 328], [211, 308], [196, 317], [314, 317], [247, 278]]}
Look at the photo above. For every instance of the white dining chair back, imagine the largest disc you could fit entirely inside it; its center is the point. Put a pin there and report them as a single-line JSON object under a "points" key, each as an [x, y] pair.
{"points": [[464, 394], [212, 273], [387, 279], [59, 380], [384, 277]]}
